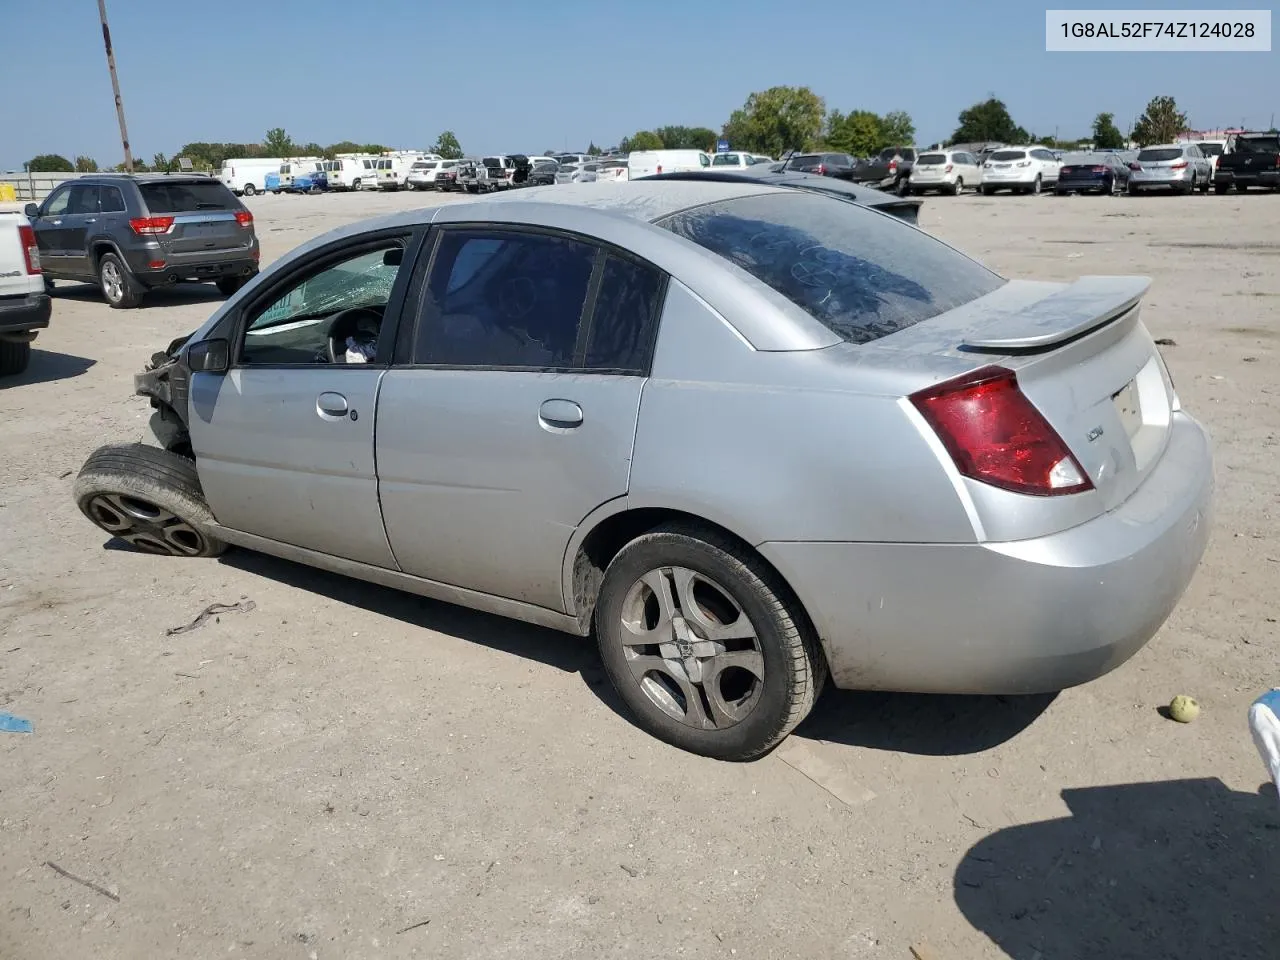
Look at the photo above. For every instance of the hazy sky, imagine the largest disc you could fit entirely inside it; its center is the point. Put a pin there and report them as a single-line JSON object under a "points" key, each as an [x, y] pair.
{"points": [[527, 75]]}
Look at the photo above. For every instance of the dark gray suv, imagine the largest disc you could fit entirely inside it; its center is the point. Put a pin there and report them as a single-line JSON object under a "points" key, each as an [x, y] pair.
{"points": [[130, 233]]}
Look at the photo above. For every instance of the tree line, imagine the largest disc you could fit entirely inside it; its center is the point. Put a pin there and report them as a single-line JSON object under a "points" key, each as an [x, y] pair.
{"points": [[771, 122]]}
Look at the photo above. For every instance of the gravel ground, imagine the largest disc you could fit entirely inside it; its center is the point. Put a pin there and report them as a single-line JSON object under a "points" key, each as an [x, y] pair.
{"points": [[344, 771]]}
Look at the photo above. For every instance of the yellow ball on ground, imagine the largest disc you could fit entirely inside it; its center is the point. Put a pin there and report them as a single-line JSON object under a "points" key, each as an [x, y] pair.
{"points": [[1184, 709]]}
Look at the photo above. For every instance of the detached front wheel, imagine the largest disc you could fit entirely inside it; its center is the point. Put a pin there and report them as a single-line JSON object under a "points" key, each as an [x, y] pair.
{"points": [[149, 498], [705, 644]]}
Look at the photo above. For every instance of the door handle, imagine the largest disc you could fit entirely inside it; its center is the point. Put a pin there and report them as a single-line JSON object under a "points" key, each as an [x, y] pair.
{"points": [[332, 406], [560, 414], [90, 219], [57, 223]]}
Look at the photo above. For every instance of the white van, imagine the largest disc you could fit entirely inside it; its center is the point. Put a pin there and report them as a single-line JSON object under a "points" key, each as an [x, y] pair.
{"points": [[352, 172], [248, 175], [647, 163], [393, 170]]}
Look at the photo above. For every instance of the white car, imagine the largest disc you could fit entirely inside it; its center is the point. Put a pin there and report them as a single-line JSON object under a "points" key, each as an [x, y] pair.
{"points": [[648, 163], [1212, 150], [611, 171], [24, 301], [946, 171], [423, 173], [736, 160], [1020, 170]]}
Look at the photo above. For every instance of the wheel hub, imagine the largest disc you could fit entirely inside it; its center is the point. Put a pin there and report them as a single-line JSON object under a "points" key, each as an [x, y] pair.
{"points": [[143, 525]]}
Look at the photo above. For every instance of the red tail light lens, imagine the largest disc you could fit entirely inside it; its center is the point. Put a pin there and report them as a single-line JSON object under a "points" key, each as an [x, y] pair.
{"points": [[151, 226], [996, 435], [1100, 169], [820, 169], [949, 168], [1179, 166], [30, 250], [244, 218], [1135, 166], [893, 166]]}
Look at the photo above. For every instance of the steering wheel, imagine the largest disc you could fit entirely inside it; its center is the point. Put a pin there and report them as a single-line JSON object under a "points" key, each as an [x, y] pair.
{"points": [[346, 323]]}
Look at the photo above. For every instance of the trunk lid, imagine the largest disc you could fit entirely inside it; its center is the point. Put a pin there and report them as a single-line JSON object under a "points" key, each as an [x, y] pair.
{"points": [[203, 212], [1083, 357]]}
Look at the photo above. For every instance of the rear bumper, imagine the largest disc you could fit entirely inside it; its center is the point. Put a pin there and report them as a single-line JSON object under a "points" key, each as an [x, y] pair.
{"points": [[237, 263], [1260, 178], [1082, 183], [23, 314], [1023, 617]]}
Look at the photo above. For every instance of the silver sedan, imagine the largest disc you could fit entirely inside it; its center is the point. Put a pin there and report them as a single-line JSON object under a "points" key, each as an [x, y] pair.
{"points": [[749, 436]]}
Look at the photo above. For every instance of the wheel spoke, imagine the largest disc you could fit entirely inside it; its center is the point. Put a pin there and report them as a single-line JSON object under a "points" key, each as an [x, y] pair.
{"points": [[182, 537], [739, 629], [691, 711], [636, 632]]}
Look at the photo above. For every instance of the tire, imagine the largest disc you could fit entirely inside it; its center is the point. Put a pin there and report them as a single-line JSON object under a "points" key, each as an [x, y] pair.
{"points": [[902, 187], [957, 188], [48, 285], [775, 674], [1059, 192], [14, 357], [1036, 186], [355, 184], [1193, 186], [249, 190], [148, 497], [119, 286], [1220, 188], [1133, 191], [1242, 188], [228, 286], [987, 191]]}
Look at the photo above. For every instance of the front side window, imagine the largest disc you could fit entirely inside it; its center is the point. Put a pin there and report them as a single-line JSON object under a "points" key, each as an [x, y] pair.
{"points": [[860, 274], [499, 298], [302, 325], [704, 160], [57, 203]]}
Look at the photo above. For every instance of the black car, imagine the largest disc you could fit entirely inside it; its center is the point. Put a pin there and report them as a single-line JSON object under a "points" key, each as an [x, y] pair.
{"points": [[838, 165], [1092, 173], [904, 208], [543, 173], [131, 233]]}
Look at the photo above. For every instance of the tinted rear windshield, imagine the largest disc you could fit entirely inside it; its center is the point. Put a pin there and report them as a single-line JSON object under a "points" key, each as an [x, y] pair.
{"points": [[861, 274], [1210, 149], [1156, 156], [1258, 145], [1009, 155], [928, 158], [181, 197], [491, 162]]}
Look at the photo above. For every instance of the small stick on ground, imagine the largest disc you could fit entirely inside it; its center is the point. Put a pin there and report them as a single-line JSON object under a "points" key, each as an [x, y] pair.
{"points": [[414, 926], [84, 883]]}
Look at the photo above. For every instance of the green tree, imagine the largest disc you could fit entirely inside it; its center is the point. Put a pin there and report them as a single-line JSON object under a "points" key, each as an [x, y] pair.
{"points": [[687, 138], [593, 150], [776, 120], [160, 163], [1161, 123], [86, 165], [50, 163], [278, 143], [447, 146], [1106, 135], [859, 133], [898, 129], [988, 121], [642, 140], [312, 149]]}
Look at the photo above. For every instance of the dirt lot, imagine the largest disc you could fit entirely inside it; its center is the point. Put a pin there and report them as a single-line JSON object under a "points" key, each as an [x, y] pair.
{"points": [[322, 775]]}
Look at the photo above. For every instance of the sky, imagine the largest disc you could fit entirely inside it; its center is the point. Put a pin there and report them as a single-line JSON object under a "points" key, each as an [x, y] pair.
{"points": [[530, 75]]}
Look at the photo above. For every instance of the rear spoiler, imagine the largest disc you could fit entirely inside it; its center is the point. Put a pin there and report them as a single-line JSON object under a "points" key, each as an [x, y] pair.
{"points": [[1085, 306]]}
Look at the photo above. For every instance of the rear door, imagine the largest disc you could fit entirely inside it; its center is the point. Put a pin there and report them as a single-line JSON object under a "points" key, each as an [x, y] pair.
{"points": [[205, 219], [285, 437], [515, 413]]}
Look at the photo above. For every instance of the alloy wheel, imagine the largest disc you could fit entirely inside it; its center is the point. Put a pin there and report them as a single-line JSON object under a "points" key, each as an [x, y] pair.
{"points": [[112, 281], [691, 648], [144, 525]]}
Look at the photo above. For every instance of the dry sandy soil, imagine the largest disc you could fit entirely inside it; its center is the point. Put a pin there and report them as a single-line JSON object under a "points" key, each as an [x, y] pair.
{"points": [[323, 775]]}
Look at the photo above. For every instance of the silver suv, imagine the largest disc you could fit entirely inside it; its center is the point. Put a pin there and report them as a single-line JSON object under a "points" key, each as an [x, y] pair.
{"points": [[131, 233]]}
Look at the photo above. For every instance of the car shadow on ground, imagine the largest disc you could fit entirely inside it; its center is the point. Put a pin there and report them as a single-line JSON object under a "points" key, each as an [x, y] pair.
{"points": [[1183, 868], [175, 295], [930, 725], [48, 366]]}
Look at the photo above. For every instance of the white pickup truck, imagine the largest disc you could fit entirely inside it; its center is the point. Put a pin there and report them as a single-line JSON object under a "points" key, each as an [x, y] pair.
{"points": [[24, 301]]}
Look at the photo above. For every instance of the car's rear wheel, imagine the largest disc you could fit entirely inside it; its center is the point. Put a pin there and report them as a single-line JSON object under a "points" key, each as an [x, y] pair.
{"points": [[229, 285], [705, 644], [1220, 188], [1036, 186], [149, 498], [119, 286], [958, 187], [249, 190], [14, 357]]}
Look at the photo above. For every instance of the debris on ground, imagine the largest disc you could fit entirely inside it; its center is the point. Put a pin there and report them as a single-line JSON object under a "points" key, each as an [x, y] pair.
{"points": [[11, 724], [80, 880], [413, 926], [1166, 342], [212, 610], [1184, 709], [631, 871], [922, 951]]}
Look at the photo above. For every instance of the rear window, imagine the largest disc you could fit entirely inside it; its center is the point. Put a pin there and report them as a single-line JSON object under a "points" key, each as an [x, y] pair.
{"points": [[491, 162], [1004, 155], [181, 197], [1210, 149], [928, 158], [862, 275], [725, 160], [808, 160], [1258, 144], [1154, 156]]}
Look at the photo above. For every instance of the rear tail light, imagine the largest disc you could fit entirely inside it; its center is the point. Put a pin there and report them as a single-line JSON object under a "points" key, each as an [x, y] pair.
{"points": [[948, 170], [821, 169], [30, 249], [1135, 166], [1095, 169], [1179, 166], [151, 226], [893, 166], [995, 435], [244, 218]]}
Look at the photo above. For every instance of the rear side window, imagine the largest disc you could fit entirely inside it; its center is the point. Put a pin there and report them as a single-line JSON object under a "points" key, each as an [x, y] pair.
{"points": [[625, 317], [112, 200], [1211, 149], [1258, 144], [862, 275], [186, 197]]}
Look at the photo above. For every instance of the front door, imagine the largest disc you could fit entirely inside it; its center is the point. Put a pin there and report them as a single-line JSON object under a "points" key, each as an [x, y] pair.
{"points": [[517, 416], [48, 229], [284, 439]]}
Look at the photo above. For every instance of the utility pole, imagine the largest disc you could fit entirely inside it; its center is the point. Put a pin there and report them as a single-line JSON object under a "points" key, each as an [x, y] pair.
{"points": [[115, 86]]}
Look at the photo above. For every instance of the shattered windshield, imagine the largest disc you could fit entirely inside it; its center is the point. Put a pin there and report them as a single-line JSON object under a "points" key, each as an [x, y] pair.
{"points": [[363, 281]]}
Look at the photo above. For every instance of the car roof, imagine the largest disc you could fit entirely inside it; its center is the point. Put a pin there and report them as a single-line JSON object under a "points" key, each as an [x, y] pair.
{"points": [[643, 199]]}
